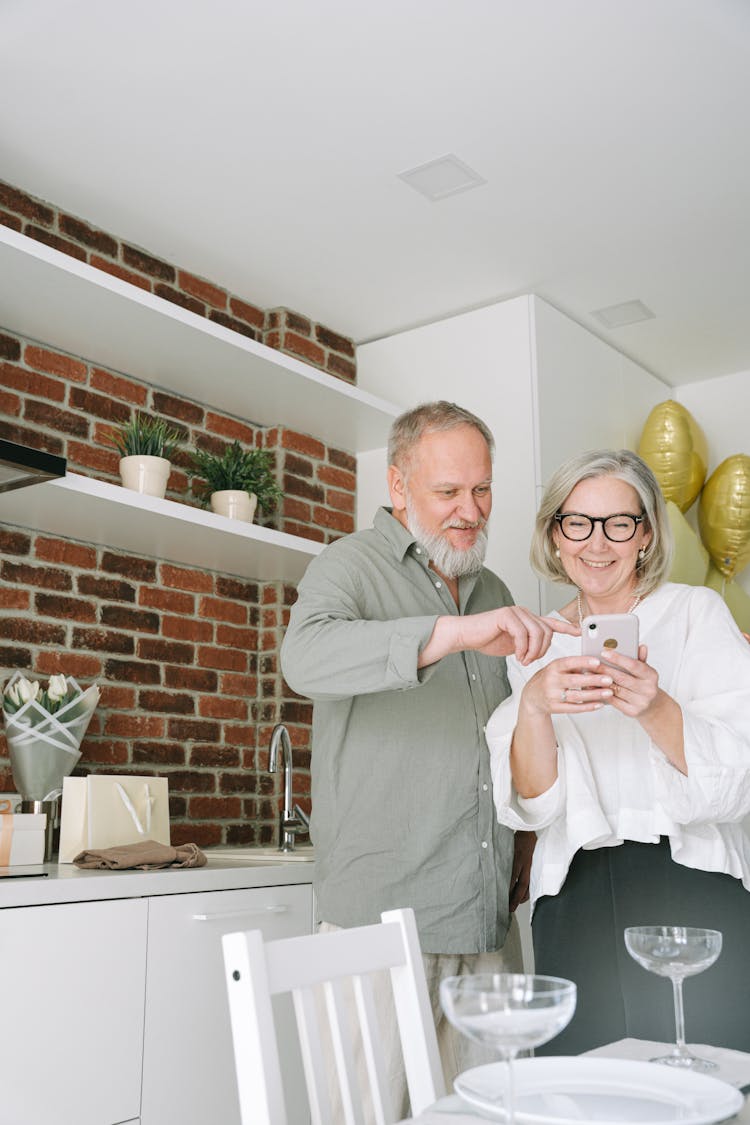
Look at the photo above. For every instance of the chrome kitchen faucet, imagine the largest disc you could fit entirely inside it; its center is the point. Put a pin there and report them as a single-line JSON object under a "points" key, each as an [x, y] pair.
{"points": [[291, 819]]}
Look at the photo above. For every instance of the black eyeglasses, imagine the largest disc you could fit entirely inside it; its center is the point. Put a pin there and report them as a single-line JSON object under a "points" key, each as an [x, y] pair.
{"points": [[618, 529]]}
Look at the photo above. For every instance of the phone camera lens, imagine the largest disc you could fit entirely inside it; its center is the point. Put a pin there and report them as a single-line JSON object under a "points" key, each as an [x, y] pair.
{"points": [[592, 627]]}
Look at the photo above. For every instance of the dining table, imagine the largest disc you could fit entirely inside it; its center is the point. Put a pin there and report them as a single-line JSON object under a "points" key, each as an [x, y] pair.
{"points": [[732, 1067]]}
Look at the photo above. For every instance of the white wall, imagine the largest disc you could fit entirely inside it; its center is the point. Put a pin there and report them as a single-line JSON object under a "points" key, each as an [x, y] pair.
{"points": [[589, 396], [721, 407], [481, 360]]}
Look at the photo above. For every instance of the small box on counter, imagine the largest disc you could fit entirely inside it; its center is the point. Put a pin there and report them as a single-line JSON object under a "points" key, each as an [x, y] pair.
{"points": [[21, 838]]}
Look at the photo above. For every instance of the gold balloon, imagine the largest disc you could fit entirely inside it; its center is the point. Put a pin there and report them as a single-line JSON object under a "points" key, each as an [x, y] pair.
{"points": [[737, 599], [724, 515], [674, 446]]}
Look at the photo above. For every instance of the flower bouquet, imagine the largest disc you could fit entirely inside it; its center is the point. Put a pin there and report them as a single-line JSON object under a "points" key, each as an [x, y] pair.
{"points": [[44, 728]]}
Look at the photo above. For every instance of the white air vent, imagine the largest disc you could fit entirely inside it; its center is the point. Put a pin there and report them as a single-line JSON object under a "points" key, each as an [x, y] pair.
{"points": [[617, 316], [442, 177]]}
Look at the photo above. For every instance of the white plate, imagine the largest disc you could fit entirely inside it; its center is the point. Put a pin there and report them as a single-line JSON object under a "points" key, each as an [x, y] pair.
{"points": [[600, 1091]]}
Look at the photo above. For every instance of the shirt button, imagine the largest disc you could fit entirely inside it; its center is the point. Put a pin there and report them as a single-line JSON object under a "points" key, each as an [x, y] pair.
{"points": [[419, 550], [485, 787], [438, 585], [473, 676], [484, 843]]}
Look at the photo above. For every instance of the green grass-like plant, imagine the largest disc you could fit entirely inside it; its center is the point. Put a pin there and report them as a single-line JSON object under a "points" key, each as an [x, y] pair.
{"points": [[248, 470], [147, 436]]}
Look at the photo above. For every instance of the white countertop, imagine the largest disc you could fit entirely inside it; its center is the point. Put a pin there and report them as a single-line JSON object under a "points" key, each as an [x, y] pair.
{"points": [[228, 869]]}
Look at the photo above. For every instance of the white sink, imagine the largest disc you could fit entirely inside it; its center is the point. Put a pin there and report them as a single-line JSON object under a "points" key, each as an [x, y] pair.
{"points": [[257, 857]]}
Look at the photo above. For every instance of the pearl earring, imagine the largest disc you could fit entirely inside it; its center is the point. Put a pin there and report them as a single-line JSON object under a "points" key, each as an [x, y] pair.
{"points": [[557, 552], [642, 554]]}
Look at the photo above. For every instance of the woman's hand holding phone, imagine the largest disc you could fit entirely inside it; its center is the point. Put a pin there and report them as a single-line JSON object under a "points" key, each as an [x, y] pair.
{"points": [[568, 685], [635, 684], [612, 669]]}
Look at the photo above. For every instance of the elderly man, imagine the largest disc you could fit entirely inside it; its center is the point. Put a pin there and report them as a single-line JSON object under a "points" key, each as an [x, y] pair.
{"points": [[399, 636]]}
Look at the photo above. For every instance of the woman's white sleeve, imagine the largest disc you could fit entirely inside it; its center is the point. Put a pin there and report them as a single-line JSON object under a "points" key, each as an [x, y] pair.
{"points": [[520, 813], [714, 694]]}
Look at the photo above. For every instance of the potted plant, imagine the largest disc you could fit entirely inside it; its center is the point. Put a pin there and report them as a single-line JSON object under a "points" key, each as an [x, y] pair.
{"points": [[146, 444], [236, 481]]}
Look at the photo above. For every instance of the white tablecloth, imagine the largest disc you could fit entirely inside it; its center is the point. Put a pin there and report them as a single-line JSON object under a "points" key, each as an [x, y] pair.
{"points": [[734, 1067]]}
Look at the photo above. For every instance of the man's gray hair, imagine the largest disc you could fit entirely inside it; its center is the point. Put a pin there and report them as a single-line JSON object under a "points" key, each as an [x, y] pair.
{"points": [[430, 417], [626, 466]]}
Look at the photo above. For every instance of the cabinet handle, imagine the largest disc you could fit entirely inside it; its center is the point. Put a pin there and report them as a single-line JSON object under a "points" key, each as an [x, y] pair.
{"points": [[229, 915]]}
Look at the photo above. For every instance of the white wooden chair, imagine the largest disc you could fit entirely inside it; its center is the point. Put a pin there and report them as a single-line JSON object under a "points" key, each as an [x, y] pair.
{"points": [[256, 971]]}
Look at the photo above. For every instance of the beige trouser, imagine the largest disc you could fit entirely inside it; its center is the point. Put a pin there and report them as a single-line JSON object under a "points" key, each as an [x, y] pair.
{"points": [[457, 1053]]}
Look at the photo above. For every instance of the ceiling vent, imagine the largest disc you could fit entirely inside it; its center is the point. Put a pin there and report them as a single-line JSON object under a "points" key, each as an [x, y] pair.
{"points": [[617, 316], [442, 177]]}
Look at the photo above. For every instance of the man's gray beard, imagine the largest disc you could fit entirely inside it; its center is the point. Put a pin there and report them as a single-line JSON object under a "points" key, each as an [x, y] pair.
{"points": [[449, 560]]}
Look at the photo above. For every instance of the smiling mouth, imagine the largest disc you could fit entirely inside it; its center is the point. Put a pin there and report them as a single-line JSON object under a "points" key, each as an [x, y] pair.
{"points": [[597, 565]]}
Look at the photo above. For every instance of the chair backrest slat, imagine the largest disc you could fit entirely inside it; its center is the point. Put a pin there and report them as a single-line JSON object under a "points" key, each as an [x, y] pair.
{"points": [[341, 1038], [374, 1059], [313, 1060]]}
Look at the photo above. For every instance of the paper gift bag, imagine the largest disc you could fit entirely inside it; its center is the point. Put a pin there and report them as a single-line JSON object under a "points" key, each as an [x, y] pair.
{"points": [[103, 811]]}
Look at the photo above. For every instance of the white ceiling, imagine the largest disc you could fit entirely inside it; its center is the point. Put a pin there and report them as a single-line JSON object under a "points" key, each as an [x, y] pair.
{"points": [[258, 144]]}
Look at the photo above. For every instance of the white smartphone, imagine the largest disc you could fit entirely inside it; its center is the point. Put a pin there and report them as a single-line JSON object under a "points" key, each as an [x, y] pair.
{"points": [[616, 632]]}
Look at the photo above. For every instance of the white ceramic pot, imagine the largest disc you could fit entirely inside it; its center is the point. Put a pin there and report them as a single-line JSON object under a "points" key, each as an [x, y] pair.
{"points": [[234, 503], [145, 474]]}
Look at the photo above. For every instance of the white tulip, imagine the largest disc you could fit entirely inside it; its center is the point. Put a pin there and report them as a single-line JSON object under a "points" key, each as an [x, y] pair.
{"points": [[58, 688], [11, 693], [28, 689]]}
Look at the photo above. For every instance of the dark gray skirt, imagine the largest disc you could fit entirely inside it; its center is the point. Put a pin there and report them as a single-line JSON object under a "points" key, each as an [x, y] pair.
{"points": [[578, 934]]}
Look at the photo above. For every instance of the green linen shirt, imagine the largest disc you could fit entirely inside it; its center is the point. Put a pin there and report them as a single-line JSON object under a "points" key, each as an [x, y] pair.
{"points": [[402, 808]]}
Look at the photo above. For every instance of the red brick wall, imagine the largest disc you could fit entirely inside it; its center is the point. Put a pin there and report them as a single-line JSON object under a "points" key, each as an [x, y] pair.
{"points": [[279, 328], [187, 660]]}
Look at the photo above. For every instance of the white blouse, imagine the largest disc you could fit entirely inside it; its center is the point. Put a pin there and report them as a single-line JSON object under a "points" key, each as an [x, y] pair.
{"points": [[613, 783]]}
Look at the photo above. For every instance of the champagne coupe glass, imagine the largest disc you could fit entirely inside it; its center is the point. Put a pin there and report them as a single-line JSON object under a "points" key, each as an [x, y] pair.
{"points": [[675, 952], [509, 1012]]}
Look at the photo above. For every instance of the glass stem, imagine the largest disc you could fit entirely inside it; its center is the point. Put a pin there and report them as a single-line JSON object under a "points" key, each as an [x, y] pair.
{"points": [[679, 1017], [509, 1099]]}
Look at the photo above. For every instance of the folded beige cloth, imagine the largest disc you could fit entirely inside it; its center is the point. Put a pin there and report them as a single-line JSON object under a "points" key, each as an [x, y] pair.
{"points": [[147, 855]]}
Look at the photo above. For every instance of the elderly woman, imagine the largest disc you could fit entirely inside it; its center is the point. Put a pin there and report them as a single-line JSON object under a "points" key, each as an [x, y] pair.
{"points": [[635, 774]]}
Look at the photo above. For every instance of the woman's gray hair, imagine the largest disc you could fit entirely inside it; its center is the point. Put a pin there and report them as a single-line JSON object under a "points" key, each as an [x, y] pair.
{"points": [[428, 417], [626, 466]]}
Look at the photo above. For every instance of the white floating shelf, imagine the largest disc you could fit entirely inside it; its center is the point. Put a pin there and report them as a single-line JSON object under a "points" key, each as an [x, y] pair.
{"points": [[67, 304], [107, 515]]}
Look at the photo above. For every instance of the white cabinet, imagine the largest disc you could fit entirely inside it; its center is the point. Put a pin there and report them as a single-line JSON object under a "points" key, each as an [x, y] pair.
{"points": [[188, 1062], [71, 1006], [113, 1002]]}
